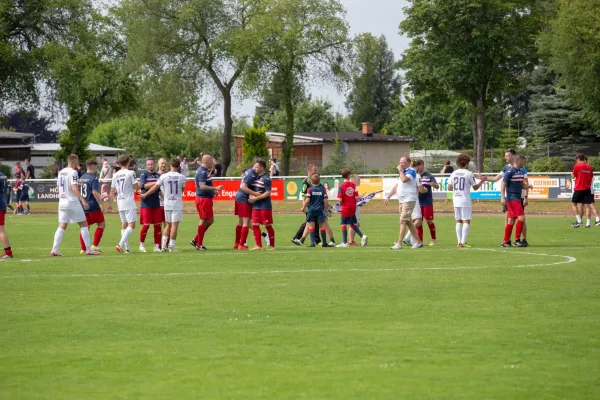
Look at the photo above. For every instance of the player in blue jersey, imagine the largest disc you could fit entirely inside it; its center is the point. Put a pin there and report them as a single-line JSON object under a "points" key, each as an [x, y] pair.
{"points": [[150, 210], [243, 208], [17, 190], [315, 204], [205, 191], [3, 236], [512, 196], [89, 188], [262, 207], [24, 198], [428, 182]]}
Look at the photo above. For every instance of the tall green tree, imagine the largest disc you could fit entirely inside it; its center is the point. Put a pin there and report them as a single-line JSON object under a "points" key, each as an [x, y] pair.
{"points": [[312, 116], [469, 49], [575, 48], [207, 39], [375, 82], [295, 41]]}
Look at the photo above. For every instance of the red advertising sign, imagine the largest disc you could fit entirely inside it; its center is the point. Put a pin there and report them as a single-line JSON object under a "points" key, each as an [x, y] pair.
{"points": [[229, 190]]}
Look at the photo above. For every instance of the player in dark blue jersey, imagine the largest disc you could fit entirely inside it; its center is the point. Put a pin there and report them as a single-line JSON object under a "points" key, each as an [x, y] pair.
{"points": [[17, 190], [428, 182], [243, 208], [3, 236], [7, 194], [24, 198], [512, 196], [89, 188], [150, 210], [205, 191], [315, 204], [262, 208]]}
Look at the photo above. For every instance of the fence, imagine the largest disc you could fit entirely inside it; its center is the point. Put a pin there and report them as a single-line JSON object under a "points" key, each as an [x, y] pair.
{"points": [[547, 186]]}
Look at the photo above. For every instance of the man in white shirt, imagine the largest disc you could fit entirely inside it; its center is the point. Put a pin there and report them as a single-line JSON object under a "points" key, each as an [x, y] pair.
{"points": [[185, 167], [407, 193], [460, 183], [171, 185], [106, 174], [70, 207], [123, 187]]}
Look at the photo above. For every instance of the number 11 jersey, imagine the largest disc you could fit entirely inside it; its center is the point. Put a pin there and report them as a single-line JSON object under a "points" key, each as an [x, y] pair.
{"points": [[462, 180], [172, 185]]}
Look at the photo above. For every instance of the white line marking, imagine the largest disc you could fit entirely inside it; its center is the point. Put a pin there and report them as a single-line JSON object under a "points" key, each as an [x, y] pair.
{"points": [[566, 260]]}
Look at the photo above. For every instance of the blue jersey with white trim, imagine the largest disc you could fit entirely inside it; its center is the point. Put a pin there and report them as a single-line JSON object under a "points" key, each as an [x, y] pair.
{"points": [[261, 185], [248, 178], [426, 199], [317, 195], [203, 176], [514, 183], [89, 182]]}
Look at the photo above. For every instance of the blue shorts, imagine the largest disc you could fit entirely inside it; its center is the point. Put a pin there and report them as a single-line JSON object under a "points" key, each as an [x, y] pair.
{"points": [[349, 220], [24, 196], [317, 218]]}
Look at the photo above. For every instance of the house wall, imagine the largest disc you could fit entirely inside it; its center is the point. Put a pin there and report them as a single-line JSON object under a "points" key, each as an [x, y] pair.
{"points": [[303, 154], [377, 154]]}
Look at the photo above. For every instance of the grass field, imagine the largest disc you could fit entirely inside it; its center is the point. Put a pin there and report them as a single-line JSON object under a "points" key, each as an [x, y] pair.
{"points": [[364, 323]]}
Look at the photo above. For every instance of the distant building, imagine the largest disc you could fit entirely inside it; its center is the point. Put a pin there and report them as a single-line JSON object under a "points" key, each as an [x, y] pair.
{"points": [[371, 149], [15, 146], [42, 154]]}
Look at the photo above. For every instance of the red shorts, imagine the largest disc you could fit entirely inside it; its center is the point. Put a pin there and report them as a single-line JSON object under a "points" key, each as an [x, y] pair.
{"points": [[264, 217], [152, 216], [243, 210], [94, 217], [515, 209], [204, 206], [427, 212], [2, 215]]}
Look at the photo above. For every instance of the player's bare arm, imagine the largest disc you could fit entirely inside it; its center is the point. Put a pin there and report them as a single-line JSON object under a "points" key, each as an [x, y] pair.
{"points": [[247, 190], [153, 188], [305, 204], [503, 193], [389, 196], [97, 196], [261, 197], [482, 180]]}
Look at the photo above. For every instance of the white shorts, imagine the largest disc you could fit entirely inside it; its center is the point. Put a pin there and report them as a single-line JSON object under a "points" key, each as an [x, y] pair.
{"points": [[416, 214], [71, 215], [173, 215], [128, 216], [463, 213], [357, 215]]}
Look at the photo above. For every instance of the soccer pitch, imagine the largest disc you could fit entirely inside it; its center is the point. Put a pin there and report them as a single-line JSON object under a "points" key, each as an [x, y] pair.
{"points": [[365, 323]]}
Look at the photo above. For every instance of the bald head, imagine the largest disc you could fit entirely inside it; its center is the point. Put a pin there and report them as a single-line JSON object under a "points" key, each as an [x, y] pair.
{"points": [[207, 161]]}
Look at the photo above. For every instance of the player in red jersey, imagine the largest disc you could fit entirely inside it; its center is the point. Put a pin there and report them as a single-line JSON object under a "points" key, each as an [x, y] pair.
{"points": [[151, 212], [348, 195], [583, 175], [205, 191]]}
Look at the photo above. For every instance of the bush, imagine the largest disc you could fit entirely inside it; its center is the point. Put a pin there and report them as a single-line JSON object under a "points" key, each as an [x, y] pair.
{"points": [[595, 163], [255, 144], [6, 170], [548, 164]]}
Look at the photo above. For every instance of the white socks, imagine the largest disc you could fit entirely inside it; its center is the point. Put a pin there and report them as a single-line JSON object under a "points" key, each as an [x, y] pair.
{"points": [[85, 234], [408, 237], [165, 240], [589, 222], [58, 236], [459, 232], [125, 236], [578, 218], [465, 232], [172, 244]]}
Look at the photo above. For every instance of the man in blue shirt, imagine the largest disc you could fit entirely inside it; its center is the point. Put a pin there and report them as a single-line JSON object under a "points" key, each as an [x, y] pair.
{"points": [[243, 208], [150, 210], [3, 236], [262, 208], [24, 198], [315, 204], [428, 182], [205, 191], [90, 191], [514, 197]]}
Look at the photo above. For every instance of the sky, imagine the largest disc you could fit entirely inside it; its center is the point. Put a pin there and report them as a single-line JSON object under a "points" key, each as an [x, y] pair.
{"points": [[379, 17]]}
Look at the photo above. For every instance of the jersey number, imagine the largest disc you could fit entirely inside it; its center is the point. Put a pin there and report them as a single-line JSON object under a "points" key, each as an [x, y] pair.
{"points": [[459, 183], [63, 185], [121, 187], [83, 191], [174, 185]]}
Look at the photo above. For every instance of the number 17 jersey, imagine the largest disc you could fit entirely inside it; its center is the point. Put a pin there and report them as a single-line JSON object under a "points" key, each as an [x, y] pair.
{"points": [[172, 185], [462, 180]]}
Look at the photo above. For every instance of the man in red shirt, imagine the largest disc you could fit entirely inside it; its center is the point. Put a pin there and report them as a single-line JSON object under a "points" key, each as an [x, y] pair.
{"points": [[348, 195], [583, 175]]}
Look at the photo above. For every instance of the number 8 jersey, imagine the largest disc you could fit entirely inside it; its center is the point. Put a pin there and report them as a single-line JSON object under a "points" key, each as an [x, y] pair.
{"points": [[462, 180], [67, 199]]}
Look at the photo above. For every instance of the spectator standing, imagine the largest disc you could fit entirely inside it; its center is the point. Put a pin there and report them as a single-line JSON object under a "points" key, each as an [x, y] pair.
{"points": [[274, 168], [185, 168], [448, 168], [29, 170]]}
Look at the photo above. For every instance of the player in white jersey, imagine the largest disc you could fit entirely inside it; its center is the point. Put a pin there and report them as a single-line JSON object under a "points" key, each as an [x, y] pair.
{"points": [[417, 214], [123, 187], [460, 183], [171, 185], [70, 207]]}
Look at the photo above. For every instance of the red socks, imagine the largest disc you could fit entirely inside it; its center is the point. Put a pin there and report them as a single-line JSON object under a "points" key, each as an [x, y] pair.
{"points": [[200, 236], [143, 233], [244, 235], [82, 243], [257, 235], [519, 229], [157, 234], [238, 234], [271, 233], [420, 232], [98, 236], [432, 231], [507, 232]]}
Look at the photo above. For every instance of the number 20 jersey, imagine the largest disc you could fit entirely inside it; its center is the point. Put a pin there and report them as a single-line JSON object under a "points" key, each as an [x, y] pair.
{"points": [[462, 180]]}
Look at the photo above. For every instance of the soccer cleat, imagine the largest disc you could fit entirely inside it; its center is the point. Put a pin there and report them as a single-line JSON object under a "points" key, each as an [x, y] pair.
{"points": [[364, 240], [577, 224], [157, 249], [92, 253], [352, 244], [193, 243], [256, 248], [417, 245], [406, 242], [324, 245], [201, 248], [466, 246], [433, 242], [119, 249], [96, 248], [235, 246], [519, 243], [6, 257], [588, 226], [506, 244], [143, 249], [81, 251], [55, 254], [312, 245], [397, 246], [342, 245], [297, 242], [243, 248], [174, 250], [524, 242], [270, 248], [332, 244], [597, 223]]}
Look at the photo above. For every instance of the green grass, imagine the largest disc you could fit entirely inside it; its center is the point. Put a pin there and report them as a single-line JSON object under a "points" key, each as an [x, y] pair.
{"points": [[365, 323]]}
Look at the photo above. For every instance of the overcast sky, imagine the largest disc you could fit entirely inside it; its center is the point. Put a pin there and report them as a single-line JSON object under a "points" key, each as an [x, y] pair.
{"points": [[379, 17]]}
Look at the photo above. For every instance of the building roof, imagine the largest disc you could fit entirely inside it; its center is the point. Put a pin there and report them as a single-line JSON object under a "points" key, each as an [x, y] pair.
{"points": [[54, 147], [15, 135], [433, 153], [355, 137]]}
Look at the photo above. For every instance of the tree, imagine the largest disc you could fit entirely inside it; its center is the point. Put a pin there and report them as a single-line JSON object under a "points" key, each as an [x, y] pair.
{"points": [[255, 144], [574, 44], [294, 41], [202, 38], [467, 49], [31, 122], [375, 83]]}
